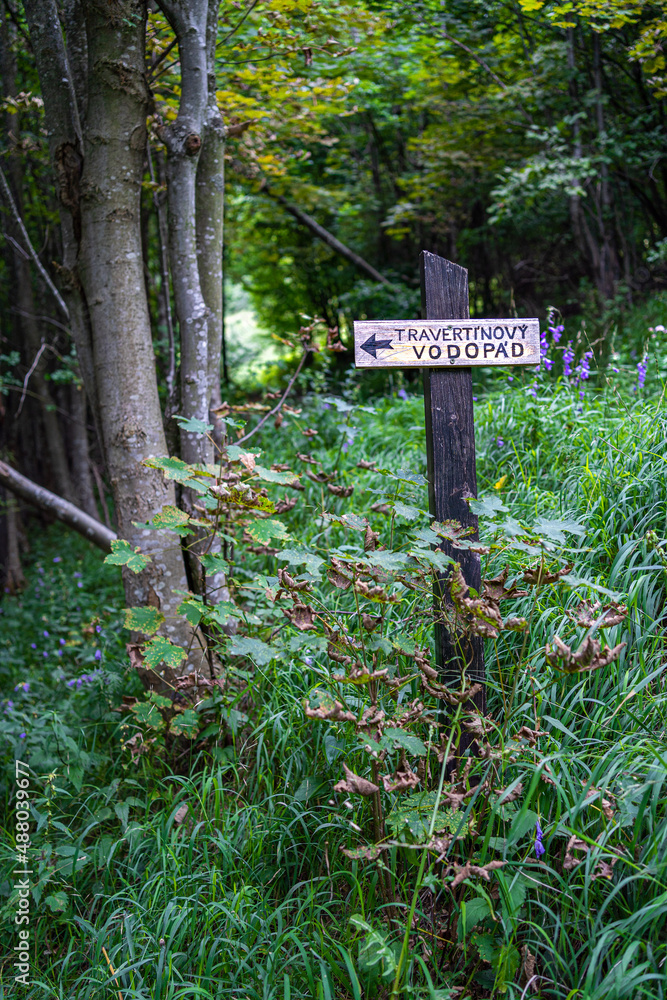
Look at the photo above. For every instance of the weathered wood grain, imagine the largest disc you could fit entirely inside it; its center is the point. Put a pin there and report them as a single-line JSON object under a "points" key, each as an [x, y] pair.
{"points": [[446, 342], [450, 449]]}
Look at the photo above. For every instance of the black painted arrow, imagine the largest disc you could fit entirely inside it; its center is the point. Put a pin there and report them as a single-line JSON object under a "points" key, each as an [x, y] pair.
{"points": [[372, 346]]}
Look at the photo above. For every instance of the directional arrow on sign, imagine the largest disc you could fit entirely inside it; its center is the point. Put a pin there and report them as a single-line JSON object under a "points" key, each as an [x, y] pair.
{"points": [[372, 346]]}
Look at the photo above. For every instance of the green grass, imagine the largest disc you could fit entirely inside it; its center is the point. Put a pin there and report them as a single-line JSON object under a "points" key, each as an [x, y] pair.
{"points": [[249, 895]]}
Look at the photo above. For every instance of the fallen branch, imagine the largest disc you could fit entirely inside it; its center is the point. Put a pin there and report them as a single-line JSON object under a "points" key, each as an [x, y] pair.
{"points": [[63, 510], [328, 238]]}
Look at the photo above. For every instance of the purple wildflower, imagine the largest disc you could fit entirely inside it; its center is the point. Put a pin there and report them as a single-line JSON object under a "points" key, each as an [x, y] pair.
{"points": [[21, 736], [57, 559], [25, 687], [79, 584], [59, 652], [568, 358], [45, 634], [617, 370], [33, 645], [61, 641], [557, 332], [474, 399], [9, 706], [44, 653], [402, 394], [642, 368], [98, 629], [308, 660], [40, 569], [77, 575], [499, 442], [326, 406], [532, 390], [540, 849], [70, 684], [98, 654]]}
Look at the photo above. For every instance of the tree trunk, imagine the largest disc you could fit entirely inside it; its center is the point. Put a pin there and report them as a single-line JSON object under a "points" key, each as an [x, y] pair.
{"points": [[112, 274], [210, 200], [183, 140], [65, 148], [14, 580], [79, 452]]}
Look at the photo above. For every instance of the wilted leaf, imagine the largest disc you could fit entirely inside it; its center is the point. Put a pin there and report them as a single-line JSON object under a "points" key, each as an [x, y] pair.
{"points": [[340, 491], [354, 784], [538, 575], [469, 869], [370, 853], [302, 616], [588, 657], [588, 613]]}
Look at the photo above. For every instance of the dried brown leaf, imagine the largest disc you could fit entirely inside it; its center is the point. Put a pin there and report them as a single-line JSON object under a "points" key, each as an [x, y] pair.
{"points": [[340, 491], [469, 869], [302, 616], [363, 464], [309, 432], [371, 539], [539, 576], [354, 784], [588, 657], [381, 508], [588, 614]]}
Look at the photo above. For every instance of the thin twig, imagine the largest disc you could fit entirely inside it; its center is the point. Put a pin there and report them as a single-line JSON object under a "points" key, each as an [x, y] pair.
{"points": [[24, 232], [240, 22], [163, 55], [28, 374], [280, 402], [38, 316]]}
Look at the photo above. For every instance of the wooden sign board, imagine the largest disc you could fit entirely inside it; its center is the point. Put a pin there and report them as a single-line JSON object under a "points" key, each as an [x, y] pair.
{"points": [[437, 343]]}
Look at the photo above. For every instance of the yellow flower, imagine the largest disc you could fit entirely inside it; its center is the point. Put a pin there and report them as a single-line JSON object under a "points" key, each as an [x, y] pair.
{"points": [[501, 482]]}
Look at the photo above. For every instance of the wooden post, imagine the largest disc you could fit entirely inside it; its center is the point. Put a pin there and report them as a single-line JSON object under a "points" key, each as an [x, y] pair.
{"points": [[450, 449]]}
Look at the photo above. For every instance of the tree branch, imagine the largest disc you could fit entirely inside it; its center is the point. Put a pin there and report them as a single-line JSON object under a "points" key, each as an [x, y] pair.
{"points": [[328, 238], [24, 232], [63, 510], [280, 402]]}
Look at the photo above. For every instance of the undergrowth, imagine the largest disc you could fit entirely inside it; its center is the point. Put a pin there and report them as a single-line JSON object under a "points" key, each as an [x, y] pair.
{"points": [[199, 848]]}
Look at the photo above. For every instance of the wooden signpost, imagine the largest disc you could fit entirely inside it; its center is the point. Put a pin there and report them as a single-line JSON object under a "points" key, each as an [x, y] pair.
{"points": [[446, 343]]}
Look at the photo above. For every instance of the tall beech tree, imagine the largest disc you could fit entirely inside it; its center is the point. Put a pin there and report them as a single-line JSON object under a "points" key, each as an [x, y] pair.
{"points": [[97, 131]]}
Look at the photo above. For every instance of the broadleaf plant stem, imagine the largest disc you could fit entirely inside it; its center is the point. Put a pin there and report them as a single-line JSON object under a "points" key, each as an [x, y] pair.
{"points": [[422, 865]]}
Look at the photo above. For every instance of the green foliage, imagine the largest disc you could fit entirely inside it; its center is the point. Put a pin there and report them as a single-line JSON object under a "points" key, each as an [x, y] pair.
{"points": [[194, 814], [146, 620], [122, 554]]}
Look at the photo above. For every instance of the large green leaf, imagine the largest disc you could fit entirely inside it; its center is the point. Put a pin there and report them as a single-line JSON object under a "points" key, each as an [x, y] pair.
{"points": [[193, 425], [172, 468], [255, 649], [409, 742], [146, 620], [160, 650], [263, 531], [270, 476], [122, 554], [299, 557], [411, 817], [487, 506], [172, 519], [186, 723]]}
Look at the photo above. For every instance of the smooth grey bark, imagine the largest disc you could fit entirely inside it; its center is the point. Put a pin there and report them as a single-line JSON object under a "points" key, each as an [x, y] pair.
{"points": [[210, 202], [111, 267], [183, 140], [43, 499], [164, 298], [79, 453]]}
